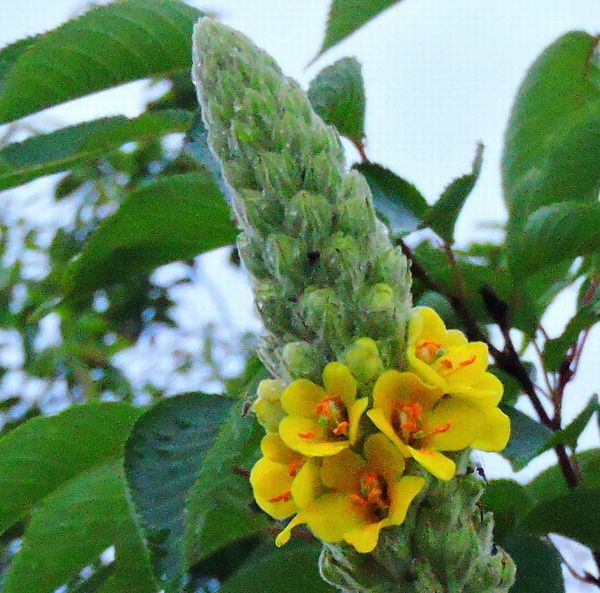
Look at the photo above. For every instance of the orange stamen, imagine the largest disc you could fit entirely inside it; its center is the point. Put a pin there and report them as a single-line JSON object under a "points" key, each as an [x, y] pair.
{"points": [[283, 497], [323, 408], [440, 429], [466, 363], [409, 426], [359, 499], [294, 466], [427, 350], [341, 429], [307, 435], [446, 363]]}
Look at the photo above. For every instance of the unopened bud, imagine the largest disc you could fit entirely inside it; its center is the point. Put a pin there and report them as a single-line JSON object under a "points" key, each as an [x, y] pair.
{"points": [[308, 216], [301, 360], [362, 358], [267, 406]]}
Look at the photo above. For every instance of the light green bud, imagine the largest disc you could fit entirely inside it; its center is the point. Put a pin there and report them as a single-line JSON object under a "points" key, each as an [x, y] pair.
{"points": [[308, 216], [260, 215], [267, 406], [323, 176], [344, 262], [380, 311], [278, 175], [272, 306], [302, 360], [251, 254], [282, 257], [362, 358]]}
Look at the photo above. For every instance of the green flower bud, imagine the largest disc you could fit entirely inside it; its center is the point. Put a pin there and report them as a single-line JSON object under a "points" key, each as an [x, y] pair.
{"points": [[272, 306], [379, 311], [344, 262], [251, 255], [323, 176], [362, 358], [282, 257], [267, 406], [278, 175], [355, 214], [259, 215], [301, 360], [308, 216]]}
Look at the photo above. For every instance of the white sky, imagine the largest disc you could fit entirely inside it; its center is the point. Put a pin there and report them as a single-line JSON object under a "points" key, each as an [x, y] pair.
{"points": [[439, 76]]}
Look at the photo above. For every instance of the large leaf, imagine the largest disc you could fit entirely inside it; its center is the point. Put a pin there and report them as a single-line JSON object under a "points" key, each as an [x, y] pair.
{"points": [[163, 457], [552, 145], [289, 570], [74, 525], [40, 456], [67, 470], [399, 202], [538, 564], [570, 434], [173, 218], [561, 232], [528, 438], [221, 506], [107, 46], [346, 16], [443, 215], [509, 501], [65, 148], [337, 94]]}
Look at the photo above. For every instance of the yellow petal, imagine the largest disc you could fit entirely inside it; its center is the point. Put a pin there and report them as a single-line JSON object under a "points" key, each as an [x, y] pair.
{"points": [[342, 472], [307, 484], [495, 430], [486, 391], [271, 480], [338, 381], [469, 363], [355, 412], [425, 323], [284, 537], [462, 420], [273, 447], [425, 371], [301, 397], [434, 462], [386, 389], [384, 425], [402, 493], [384, 457], [365, 538], [454, 338], [291, 429], [333, 515]]}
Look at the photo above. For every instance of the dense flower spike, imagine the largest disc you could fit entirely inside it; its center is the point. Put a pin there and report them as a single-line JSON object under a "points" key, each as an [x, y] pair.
{"points": [[421, 421], [322, 421], [446, 359], [351, 498]]}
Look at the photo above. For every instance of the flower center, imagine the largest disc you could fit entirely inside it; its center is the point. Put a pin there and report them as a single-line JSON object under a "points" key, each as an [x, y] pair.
{"points": [[407, 420], [428, 351], [373, 494], [332, 414]]}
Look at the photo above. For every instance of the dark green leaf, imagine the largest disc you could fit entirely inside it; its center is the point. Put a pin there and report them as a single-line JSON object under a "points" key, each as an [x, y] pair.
{"points": [[442, 216], [570, 514], [75, 524], [551, 484], [164, 454], [512, 388], [399, 202], [107, 46], [337, 94], [509, 502], [173, 218], [552, 146], [527, 438], [561, 232], [40, 456], [61, 150], [221, 506], [570, 434], [538, 564], [96, 581], [346, 16], [288, 570]]}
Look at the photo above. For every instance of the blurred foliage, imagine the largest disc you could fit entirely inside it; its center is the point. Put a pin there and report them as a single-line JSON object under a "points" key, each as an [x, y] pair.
{"points": [[79, 290]]}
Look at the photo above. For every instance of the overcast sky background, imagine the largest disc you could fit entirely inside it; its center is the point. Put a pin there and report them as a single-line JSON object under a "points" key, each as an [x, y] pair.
{"points": [[440, 76]]}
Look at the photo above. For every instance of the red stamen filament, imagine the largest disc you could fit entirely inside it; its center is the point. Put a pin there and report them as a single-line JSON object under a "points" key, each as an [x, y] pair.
{"points": [[307, 435], [294, 467], [283, 497]]}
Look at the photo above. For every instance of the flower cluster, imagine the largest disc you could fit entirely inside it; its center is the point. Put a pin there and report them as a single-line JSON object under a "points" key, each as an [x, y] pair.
{"points": [[341, 463]]}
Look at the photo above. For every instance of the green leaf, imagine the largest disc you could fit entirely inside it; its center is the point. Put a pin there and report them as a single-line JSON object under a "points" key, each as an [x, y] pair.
{"points": [[561, 232], [528, 438], [164, 454], [552, 145], [97, 580], [105, 47], [65, 148], [551, 484], [570, 434], [288, 570], [509, 501], [346, 16], [512, 388], [221, 506], [337, 95], [74, 525], [40, 456], [538, 564], [442, 216], [175, 217], [555, 350], [570, 515], [396, 200]]}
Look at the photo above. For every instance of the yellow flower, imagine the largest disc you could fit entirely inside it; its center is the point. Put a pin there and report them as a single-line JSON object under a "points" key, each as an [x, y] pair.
{"points": [[267, 406], [351, 498], [322, 421], [421, 422], [445, 358], [272, 477]]}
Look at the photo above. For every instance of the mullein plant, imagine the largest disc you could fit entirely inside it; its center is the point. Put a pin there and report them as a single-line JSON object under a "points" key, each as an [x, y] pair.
{"points": [[374, 406]]}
